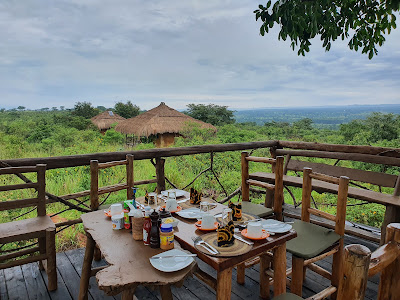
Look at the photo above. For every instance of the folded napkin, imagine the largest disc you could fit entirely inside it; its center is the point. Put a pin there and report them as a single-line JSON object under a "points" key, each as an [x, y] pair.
{"points": [[236, 211], [195, 196], [225, 235], [146, 198]]}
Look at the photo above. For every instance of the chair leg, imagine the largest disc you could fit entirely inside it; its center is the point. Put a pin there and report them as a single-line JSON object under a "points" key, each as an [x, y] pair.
{"points": [[241, 269], [337, 268], [297, 275], [51, 258]]}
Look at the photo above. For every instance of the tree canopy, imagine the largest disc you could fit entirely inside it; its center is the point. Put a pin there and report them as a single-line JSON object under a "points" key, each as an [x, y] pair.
{"points": [[127, 110], [211, 113], [85, 109], [363, 21]]}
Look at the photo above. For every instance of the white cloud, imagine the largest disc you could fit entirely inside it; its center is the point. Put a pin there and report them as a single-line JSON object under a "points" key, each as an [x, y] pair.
{"points": [[59, 52]]}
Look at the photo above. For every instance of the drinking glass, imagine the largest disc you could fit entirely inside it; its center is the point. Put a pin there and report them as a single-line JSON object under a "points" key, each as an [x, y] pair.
{"points": [[204, 207], [226, 216]]}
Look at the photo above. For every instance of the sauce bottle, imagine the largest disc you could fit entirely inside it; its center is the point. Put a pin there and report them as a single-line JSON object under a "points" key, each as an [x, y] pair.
{"points": [[146, 226], [155, 230]]}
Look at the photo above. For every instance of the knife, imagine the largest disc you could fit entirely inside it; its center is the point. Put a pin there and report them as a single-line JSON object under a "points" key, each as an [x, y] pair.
{"points": [[184, 200], [170, 256], [242, 239]]}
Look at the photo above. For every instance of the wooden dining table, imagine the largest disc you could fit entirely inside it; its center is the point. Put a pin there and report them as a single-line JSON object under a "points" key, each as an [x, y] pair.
{"points": [[95, 225]]}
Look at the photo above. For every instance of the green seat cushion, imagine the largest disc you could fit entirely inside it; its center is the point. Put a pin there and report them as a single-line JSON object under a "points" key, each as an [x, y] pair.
{"points": [[256, 209], [311, 239], [287, 296]]}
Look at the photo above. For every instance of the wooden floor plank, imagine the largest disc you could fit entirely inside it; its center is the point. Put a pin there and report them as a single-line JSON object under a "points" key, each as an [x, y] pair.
{"points": [[69, 275], [34, 282], [76, 259], [61, 293], [3, 287], [15, 283]]}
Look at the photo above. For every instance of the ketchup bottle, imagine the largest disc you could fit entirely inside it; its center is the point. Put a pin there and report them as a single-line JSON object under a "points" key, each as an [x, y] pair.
{"points": [[146, 226]]}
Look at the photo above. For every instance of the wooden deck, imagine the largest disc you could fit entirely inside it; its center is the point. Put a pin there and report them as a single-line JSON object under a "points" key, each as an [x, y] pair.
{"points": [[28, 282]]}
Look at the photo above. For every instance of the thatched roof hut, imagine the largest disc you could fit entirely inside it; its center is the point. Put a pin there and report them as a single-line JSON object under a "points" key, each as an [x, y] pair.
{"points": [[161, 121], [104, 120]]}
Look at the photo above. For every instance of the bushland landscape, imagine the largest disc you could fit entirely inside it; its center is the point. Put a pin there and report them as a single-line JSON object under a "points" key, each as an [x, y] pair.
{"points": [[59, 132]]}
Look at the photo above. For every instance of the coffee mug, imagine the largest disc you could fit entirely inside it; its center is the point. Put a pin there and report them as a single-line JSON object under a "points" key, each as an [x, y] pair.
{"points": [[171, 205], [115, 209], [254, 229], [207, 221]]}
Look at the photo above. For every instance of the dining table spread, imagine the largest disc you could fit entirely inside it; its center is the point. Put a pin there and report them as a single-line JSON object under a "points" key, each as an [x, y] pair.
{"points": [[130, 263]]}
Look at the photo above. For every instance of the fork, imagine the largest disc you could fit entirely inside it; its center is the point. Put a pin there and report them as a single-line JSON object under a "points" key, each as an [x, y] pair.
{"points": [[199, 241]]}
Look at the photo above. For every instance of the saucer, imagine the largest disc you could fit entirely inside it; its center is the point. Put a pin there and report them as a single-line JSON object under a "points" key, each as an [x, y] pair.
{"points": [[198, 225], [262, 237]]}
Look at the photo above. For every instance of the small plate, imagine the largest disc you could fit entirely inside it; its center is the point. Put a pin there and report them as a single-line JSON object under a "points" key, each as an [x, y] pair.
{"points": [[263, 236], [190, 213], [178, 209], [275, 226], [198, 225], [178, 193], [171, 264]]}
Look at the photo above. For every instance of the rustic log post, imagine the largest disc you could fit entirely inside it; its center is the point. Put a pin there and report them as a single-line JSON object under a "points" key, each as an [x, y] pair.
{"points": [[306, 195], [129, 176], [245, 176], [392, 214], [355, 272], [389, 286], [41, 189], [278, 197], [94, 184], [51, 258], [160, 173], [269, 198]]}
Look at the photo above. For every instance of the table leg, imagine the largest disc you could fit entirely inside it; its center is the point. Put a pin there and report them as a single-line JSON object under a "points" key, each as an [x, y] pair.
{"points": [[224, 284], [165, 291], [128, 294], [86, 268], [265, 264], [279, 270]]}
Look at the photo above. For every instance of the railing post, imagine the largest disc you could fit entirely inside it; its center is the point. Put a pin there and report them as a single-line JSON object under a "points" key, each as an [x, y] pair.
{"points": [[245, 177], [389, 286], [94, 184], [129, 176], [160, 173], [392, 213], [355, 272]]}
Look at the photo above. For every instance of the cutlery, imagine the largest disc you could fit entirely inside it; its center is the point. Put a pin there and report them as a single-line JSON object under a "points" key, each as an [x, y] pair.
{"points": [[184, 200], [208, 245], [200, 242], [170, 256], [243, 240]]}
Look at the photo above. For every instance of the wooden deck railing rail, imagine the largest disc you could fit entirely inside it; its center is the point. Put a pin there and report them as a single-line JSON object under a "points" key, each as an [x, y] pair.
{"points": [[378, 155]]}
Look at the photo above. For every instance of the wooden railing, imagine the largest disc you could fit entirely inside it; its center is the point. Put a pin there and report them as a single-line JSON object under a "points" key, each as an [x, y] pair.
{"points": [[378, 155]]}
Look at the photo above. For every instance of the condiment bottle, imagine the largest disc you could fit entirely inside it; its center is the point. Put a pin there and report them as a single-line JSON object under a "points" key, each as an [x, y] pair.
{"points": [[155, 230], [146, 226], [164, 213], [166, 237]]}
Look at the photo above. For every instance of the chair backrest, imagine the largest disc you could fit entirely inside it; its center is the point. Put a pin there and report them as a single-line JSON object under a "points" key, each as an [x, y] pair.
{"points": [[40, 185], [306, 210], [95, 166], [277, 188]]}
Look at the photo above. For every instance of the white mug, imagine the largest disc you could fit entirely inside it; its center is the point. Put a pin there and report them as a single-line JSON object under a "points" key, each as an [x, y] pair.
{"points": [[171, 205], [208, 221], [115, 209], [254, 229]]}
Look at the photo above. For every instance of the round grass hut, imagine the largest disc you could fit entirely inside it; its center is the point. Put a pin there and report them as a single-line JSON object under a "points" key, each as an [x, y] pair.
{"points": [[163, 122], [106, 119]]}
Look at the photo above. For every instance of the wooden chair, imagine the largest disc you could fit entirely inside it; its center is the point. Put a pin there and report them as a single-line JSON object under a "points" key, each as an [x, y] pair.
{"points": [[273, 201], [274, 192], [40, 227], [359, 264], [314, 242]]}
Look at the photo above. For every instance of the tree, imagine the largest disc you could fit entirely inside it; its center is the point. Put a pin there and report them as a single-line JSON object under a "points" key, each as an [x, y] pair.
{"points": [[211, 113], [21, 107], [304, 124], [383, 126], [85, 109], [364, 22], [127, 110]]}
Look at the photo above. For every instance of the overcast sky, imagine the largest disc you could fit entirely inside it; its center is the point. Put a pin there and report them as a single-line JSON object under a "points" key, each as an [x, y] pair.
{"points": [[56, 53]]}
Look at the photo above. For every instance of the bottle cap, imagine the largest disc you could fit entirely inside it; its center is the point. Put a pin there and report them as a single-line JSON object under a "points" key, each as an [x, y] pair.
{"points": [[166, 228]]}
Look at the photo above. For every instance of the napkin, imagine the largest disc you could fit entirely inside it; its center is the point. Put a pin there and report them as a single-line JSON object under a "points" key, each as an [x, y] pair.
{"points": [[146, 198], [225, 235], [236, 211], [195, 196]]}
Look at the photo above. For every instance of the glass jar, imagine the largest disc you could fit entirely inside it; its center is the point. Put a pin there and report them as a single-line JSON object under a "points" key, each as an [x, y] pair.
{"points": [[166, 237]]}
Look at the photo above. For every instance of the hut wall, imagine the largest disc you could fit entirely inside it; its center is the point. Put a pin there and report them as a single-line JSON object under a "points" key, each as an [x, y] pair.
{"points": [[165, 140]]}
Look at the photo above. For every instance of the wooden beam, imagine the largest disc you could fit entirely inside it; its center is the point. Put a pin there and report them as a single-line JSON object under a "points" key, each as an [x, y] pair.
{"points": [[322, 214], [266, 160]]}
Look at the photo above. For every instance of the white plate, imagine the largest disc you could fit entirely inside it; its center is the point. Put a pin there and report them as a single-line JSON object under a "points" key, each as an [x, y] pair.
{"points": [[275, 226], [171, 264], [179, 193], [190, 213]]}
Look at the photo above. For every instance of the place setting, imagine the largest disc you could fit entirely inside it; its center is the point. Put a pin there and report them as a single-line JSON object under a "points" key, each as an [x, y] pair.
{"points": [[172, 260]]}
